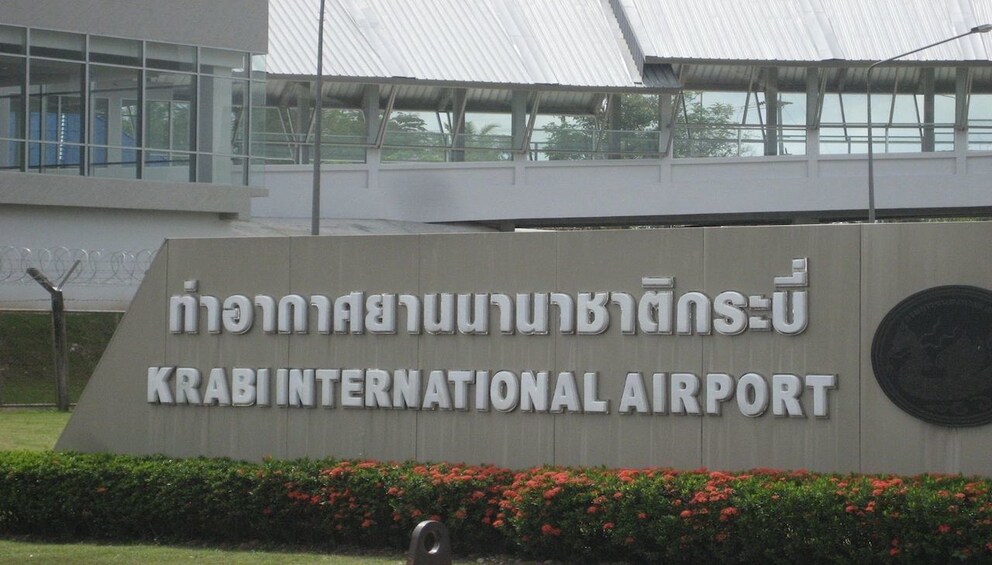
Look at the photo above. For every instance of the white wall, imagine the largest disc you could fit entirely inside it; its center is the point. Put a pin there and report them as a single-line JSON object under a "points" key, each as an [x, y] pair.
{"points": [[665, 190]]}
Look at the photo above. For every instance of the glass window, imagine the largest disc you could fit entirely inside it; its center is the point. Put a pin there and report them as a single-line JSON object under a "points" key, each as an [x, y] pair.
{"points": [[12, 40], [56, 116], [223, 63], [113, 91], [170, 126], [222, 119], [11, 112], [115, 51], [57, 45], [258, 67], [171, 57]]}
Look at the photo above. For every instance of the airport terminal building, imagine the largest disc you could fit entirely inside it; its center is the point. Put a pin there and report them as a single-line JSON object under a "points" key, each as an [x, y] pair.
{"points": [[124, 123], [769, 326]]}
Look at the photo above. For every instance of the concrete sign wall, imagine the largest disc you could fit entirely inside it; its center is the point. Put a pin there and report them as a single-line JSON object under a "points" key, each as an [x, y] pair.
{"points": [[728, 348]]}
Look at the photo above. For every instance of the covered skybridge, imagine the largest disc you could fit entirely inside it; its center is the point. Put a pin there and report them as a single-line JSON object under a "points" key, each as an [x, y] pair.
{"points": [[757, 110]]}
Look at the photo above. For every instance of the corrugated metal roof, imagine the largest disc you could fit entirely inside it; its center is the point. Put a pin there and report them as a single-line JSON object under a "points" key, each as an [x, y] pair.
{"points": [[804, 30], [560, 43]]}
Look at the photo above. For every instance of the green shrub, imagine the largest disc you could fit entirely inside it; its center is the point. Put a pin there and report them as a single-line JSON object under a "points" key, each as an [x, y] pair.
{"points": [[574, 515]]}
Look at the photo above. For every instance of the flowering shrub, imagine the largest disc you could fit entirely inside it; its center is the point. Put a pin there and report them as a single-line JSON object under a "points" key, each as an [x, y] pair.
{"points": [[652, 515]]}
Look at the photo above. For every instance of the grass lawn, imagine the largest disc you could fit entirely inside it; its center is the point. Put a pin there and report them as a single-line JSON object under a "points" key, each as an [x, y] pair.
{"points": [[26, 368], [15, 551], [33, 430]]}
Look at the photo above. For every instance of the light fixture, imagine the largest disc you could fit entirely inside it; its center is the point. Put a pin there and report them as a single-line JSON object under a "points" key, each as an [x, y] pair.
{"points": [[984, 28]]}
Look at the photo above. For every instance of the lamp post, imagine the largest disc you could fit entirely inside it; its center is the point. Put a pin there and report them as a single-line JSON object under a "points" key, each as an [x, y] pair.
{"points": [[984, 28], [317, 132]]}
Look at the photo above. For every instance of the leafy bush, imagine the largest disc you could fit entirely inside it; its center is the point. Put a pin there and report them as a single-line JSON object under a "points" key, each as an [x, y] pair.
{"points": [[653, 515]]}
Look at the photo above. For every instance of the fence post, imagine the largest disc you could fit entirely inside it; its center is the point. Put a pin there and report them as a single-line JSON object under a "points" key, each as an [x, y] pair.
{"points": [[60, 347]]}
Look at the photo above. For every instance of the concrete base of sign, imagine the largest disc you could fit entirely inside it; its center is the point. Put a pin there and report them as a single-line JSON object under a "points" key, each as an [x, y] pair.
{"points": [[439, 347]]}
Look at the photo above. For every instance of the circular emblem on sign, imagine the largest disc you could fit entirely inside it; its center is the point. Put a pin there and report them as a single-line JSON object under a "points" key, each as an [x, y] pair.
{"points": [[932, 355]]}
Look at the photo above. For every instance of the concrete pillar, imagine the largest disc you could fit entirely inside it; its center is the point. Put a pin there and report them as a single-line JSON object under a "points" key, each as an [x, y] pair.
{"points": [[518, 118], [614, 123], [214, 136], [771, 111], [928, 137], [115, 135], [371, 110], [518, 133], [961, 86], [303, 121], [666, 118], [458, 124], [813, 97], [7, 160]]}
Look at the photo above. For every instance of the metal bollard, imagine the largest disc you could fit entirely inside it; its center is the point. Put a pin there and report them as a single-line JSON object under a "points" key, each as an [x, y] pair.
{"points": [[430, 544]]}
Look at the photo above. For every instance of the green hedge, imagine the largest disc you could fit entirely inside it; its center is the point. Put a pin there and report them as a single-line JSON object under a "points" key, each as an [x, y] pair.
{"points": [[573, 515]]}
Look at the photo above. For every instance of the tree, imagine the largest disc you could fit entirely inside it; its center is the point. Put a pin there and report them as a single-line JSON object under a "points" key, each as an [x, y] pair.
{"points": [[700, 130], [484, 145]]}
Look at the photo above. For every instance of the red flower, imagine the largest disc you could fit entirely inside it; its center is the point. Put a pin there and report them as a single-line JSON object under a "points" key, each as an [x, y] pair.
{"points": [[728, 513], [592, 509], [685, 514], [943, 528], [549, 530], [608, 526]]}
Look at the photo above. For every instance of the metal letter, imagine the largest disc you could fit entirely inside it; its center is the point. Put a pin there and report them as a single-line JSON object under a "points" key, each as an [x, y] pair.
{"points": [[730, 317], [566, 311], [504, 391], [437, 396], [158, 385], [628, 312], [381, 314], [593, 316], [293, 314], [505, 306], [694, 314], [591, 403], [217, 391], [268, 306], [473, 314], [820, 385], [752, 395], [187, 386], [685, 387], [443, 321], [532, 321], [242, 387], [534, 391], [786, 390], [792, 305], [413, 310], [719, 389], [634, 397], [238, 315], [377, 383], [566, 395]]}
